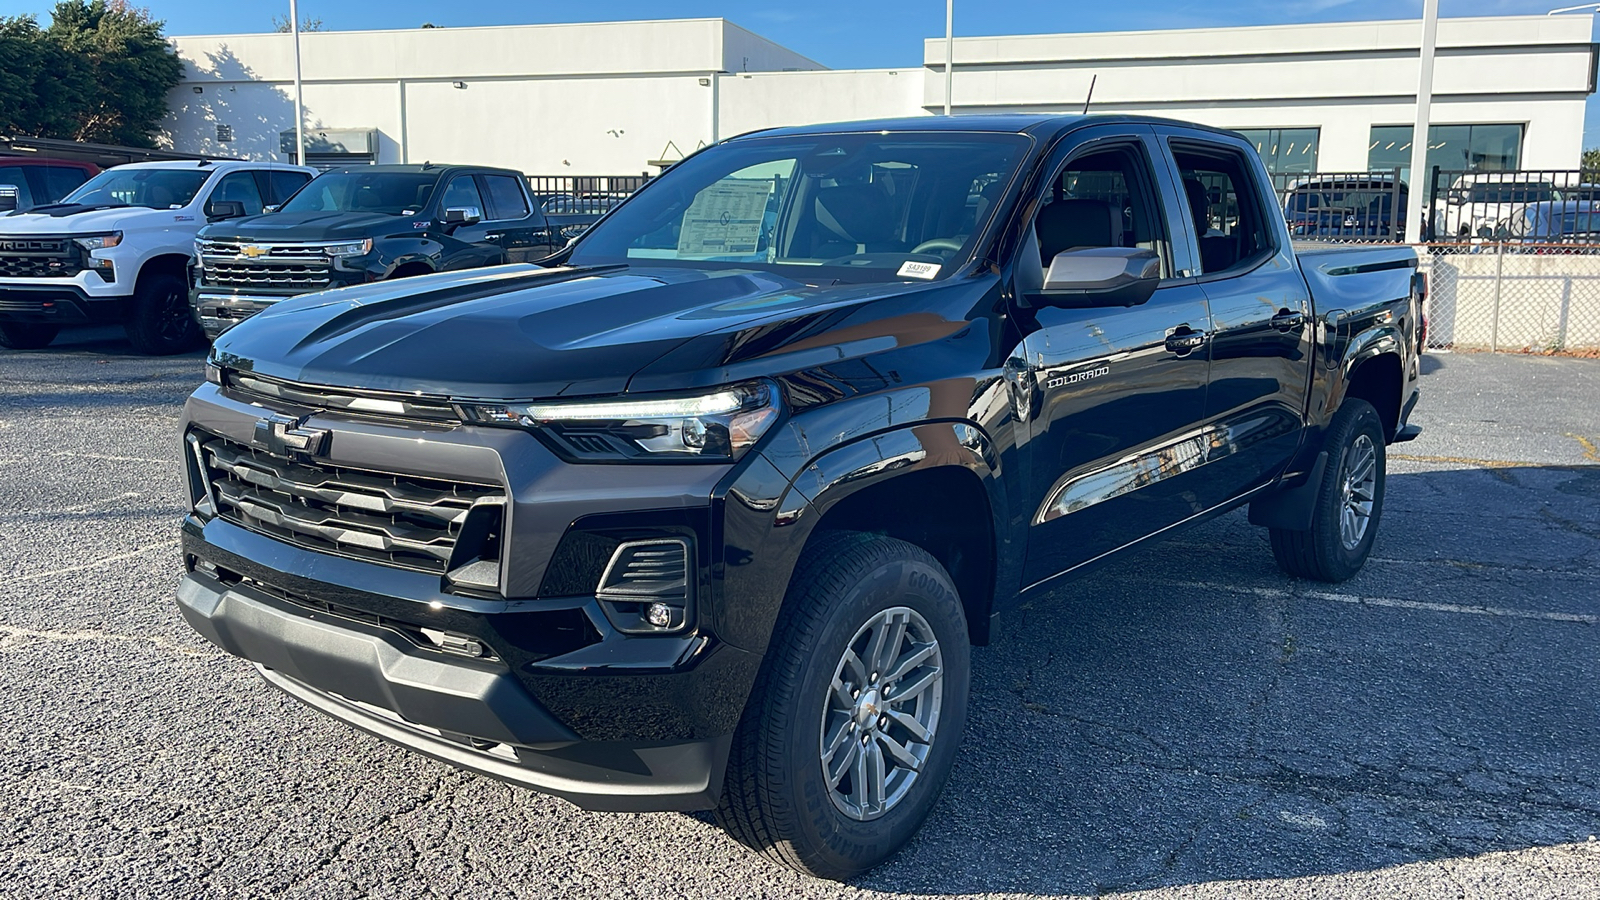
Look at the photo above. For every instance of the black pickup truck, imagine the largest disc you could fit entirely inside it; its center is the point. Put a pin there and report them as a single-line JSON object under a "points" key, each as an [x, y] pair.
{"points": [[372, 223], [708, 513]]}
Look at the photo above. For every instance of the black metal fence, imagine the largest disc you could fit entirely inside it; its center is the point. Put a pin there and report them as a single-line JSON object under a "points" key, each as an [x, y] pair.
{"points": [[559, 194], [1343, 206], [1524, 206]]}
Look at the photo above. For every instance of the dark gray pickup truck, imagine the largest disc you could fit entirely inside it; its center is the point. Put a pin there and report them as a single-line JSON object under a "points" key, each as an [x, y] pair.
{"points": [[708, 513]]}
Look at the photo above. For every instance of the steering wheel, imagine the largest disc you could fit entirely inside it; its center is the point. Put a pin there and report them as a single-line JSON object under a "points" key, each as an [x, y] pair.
{"points": [[948, 244]]}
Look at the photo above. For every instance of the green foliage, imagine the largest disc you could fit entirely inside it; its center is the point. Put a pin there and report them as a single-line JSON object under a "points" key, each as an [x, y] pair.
{"points": [[281, 25], [1591, 163], [101, 72]]}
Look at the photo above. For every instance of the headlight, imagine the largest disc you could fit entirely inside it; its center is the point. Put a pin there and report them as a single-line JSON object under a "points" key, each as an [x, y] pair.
{"points": [[716, 426], [349, 248], [199, 260], [99, 241]]}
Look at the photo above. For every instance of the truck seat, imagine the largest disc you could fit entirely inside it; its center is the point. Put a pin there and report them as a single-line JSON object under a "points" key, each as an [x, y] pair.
{"points": [[1068, 223]]}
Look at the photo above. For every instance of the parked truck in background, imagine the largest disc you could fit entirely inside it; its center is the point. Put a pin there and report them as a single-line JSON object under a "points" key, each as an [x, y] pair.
{"points": [[707, 513], [373, 223], [117, 249], [26, 182]]}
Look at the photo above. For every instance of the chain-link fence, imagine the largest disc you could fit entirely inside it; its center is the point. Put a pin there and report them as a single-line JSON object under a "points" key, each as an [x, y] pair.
{"points": [[1504, 296]]}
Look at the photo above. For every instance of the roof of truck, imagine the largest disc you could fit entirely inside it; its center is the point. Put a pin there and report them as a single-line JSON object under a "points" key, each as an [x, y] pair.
{"points": [[428, 168], [1039, 124]]}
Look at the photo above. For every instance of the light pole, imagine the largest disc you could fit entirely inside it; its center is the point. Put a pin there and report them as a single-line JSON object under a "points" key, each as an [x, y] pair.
{"points": [[1419, 188], [1567, 9], [299, 115], [949, 51]]}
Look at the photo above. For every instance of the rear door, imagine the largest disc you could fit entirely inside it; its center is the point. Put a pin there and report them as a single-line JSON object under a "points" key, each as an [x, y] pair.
{"points": [[1261, 315], [518, 229], [1108, 397]]}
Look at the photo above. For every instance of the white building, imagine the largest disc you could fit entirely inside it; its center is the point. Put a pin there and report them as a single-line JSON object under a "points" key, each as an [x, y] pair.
{"points": [[620, 98]]}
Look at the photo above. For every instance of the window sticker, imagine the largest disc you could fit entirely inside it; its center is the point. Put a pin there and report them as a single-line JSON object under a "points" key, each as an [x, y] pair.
{"points": [[923, 270]]}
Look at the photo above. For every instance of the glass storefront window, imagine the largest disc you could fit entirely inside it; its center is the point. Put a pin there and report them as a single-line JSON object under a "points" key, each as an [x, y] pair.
{"points": [[1285, 150], [1483, 148]]}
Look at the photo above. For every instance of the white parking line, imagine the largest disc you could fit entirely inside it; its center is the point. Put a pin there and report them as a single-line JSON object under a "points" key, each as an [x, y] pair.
{"points": [[9, 634], [1394, 603], [32, 576]]}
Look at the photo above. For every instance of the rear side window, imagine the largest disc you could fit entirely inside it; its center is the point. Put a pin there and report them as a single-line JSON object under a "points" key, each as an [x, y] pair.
{"points": [[240, 187], [284, 184], [1222, 199], [14, 177], [505, 197], [60, 181]]}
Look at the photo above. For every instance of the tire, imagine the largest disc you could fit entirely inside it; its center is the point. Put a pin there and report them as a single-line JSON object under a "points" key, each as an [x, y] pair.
{"points": [[162, 322], [776, 798], [1332, 550], [27, 335]]}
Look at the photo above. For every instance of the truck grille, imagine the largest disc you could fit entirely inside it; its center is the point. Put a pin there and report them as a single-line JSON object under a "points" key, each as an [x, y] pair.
{"points": [[376, 404], [290, 267], [37, 258], [397, 520]]}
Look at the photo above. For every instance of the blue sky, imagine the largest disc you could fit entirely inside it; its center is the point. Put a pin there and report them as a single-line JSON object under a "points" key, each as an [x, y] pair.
{"points": [[840, 34]]}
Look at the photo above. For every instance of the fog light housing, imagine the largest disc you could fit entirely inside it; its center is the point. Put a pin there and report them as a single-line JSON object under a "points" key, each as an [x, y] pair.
{"points": [[648, 586]]}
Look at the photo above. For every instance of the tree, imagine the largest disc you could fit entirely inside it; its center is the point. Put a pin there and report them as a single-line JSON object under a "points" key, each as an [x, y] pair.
{"points": [[101, 72], [280, 24], [1591, 163]]}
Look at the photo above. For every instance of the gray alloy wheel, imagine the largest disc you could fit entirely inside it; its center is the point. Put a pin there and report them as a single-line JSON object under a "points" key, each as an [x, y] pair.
{"points": [[1358, 479], [882, 713]]}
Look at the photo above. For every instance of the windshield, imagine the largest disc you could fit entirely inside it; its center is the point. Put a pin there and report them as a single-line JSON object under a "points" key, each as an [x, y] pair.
{"points": [[155, 188], [866, 207], [388, 193]]}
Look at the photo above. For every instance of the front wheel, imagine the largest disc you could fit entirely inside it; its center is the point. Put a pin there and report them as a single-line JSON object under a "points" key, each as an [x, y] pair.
{"points": [[27, 335], [162, 322], [853, 725], [1349, 501]]}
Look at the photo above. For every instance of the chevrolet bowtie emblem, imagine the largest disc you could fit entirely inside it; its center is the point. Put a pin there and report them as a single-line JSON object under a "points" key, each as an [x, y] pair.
{"points": [[252, 250], [288, 436]]}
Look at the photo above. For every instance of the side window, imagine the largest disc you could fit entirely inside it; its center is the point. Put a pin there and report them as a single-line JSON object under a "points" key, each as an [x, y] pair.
{"points": [[239, 186], [1107, 198], [461, 192], [1222, 199], [284, 184], [13, 176], [60, 181], [505, 198]]}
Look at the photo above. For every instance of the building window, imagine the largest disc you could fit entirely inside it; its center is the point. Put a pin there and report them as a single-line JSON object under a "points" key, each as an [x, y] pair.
{"points": [[1476, 148], [1286, 151]]}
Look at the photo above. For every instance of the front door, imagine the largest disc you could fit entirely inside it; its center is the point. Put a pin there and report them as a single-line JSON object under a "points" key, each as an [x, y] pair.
{"points": [[1109, 396]]}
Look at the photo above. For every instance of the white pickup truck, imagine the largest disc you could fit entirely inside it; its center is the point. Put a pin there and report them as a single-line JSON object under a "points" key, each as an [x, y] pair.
{"points": [[118, 249]]}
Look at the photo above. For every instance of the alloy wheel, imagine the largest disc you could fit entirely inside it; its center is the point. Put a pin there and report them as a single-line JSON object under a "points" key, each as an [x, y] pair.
{"points": [[1358, 490]]}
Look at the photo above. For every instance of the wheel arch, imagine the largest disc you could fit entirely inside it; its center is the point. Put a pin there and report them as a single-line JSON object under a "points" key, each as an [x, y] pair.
{"points": [[176, 264], [1378, 377]]}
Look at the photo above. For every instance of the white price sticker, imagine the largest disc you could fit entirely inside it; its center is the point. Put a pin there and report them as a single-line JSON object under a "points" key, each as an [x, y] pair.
{"points": [[923, 270]]}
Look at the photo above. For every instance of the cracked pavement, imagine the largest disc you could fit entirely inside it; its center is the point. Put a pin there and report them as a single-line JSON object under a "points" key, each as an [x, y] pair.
{"points": [[1186, 722]]}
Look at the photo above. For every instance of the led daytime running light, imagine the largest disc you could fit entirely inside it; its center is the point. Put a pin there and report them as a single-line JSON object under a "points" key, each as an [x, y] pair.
{"points": [[680, 407]]}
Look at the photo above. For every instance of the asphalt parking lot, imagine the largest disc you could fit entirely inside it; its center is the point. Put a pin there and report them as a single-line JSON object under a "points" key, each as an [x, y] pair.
{"points": [[1186, 722]]}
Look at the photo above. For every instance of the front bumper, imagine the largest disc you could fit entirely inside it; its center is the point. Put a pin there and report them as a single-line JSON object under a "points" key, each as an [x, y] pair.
{"points": [[469, 713], [59, 303], [219, 311]]}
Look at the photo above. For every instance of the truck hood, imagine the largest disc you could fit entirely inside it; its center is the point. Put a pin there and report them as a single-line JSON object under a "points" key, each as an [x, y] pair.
{"points": [[68, 220], [519, 331], [312, 226]]}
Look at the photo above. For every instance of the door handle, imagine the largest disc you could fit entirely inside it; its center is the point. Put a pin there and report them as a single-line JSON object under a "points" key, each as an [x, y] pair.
{"points": [[1288, 320], [1184, 340], [492, 236]]}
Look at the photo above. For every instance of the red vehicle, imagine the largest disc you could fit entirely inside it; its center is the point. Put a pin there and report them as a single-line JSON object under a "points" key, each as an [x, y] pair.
{"points": [[26, 182]]}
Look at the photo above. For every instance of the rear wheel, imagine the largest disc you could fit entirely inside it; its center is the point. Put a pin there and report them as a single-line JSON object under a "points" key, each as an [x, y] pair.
{"points": [[1349, 501], [854, 723], [162, 322], [27, 335]]}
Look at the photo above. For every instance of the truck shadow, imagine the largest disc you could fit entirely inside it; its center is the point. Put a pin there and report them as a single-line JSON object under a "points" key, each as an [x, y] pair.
{"points": [[1189, 715]]}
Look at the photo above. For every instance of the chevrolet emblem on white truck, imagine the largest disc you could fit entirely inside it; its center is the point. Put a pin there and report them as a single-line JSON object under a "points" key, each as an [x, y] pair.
{"points": [[287, 436]]}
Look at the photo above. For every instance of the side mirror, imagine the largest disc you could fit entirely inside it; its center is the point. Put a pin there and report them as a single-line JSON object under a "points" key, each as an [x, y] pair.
{"points": [[217, 210], [457, 216], [8, 197], [1085, 277], [270, 208], [1456, 199]]}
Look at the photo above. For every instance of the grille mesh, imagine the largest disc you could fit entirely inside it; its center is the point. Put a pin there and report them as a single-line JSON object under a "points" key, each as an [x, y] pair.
{"points": [[37, 258]]}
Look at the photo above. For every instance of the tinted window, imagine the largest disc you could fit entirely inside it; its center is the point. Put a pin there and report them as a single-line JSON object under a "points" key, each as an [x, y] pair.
{"points": [[862, 207], [239, 187], [63, 180], [1105, 199], [387, 193], [284, 184], [1220, 194], [505, 197], [155, 188], [460, 193], [13, 176]]}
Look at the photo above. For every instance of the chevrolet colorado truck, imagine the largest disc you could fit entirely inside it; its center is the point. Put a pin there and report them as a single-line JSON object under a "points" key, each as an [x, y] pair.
{"points": [[708, 513], [118, 248], [372, 223]]}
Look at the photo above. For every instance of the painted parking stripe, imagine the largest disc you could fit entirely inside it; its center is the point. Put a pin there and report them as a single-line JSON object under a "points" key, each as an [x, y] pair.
{"points": [[1395, 603]]}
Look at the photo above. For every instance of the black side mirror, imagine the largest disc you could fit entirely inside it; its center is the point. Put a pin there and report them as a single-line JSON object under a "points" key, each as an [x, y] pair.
{"points": [[270, 208], [1086, 277], [457, 216], [217, 210], [8, 197]]}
